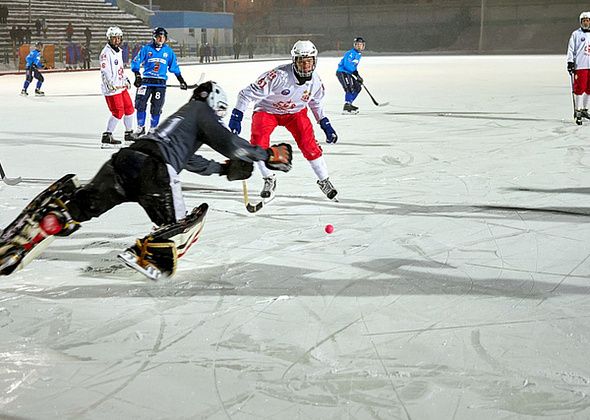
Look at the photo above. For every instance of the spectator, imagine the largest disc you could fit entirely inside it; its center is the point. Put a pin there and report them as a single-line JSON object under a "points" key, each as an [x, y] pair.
{"points": [[27, 34], [237, 49], [3, 14], [69, 32], [86, 56], [19, 36], [44, 27], [214, 52], [202, 53], [251, 48], [12, 34], [207, 52], [88, 35], [38, 27], [125, 54]]}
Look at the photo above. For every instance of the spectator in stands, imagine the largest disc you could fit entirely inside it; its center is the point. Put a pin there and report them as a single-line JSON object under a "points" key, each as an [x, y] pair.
{"points": [[12, 34], [27, 33], [19, 36], [38, 27], [3, 14], [69, 31], [88, 35], [44, 27]]}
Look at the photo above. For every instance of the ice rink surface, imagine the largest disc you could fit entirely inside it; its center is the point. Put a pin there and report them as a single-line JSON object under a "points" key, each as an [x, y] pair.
{"points": [[455, 284]]}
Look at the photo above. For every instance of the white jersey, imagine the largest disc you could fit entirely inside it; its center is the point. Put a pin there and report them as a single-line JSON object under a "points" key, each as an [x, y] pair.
{"points": [[277, 92], [578, 49], [112, 71]]}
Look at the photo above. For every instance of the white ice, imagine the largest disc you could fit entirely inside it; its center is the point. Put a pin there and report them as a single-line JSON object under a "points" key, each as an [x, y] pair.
{"points": [[455, 284]]}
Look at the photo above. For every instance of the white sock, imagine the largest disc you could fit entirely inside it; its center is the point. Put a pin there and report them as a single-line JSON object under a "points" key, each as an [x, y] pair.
{"points": [[112, 124], [320, 168], [128, 121], [263, 169]]}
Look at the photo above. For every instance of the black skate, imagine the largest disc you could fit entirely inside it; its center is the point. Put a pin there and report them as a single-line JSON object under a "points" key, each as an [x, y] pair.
{"points": [[23, 93], [108, 141], [328, 189], [584, 114], [157, 253], [39, 92], [34, 229], [129, 138], [578, 116], [350, 109]]}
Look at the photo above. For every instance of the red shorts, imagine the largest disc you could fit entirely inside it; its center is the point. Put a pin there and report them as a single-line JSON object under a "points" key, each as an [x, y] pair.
{"points": [[299, 125], [120, 104], [582, 81]]}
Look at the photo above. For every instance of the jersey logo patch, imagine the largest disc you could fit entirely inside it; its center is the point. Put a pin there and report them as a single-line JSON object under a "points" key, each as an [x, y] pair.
{"points": [[165, 55], [116, 62], [285, 92]]}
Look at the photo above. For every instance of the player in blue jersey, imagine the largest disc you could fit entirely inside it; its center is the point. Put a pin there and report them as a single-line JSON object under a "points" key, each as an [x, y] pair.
{"points": [[157, 59], [32, 70], [347, 68]]}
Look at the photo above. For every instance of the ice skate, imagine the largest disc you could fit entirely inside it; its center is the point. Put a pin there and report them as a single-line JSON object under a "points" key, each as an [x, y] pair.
{"points": [[270, 183], [156, 254], [139, 131], [39, 92], [350, 109], [584, 113], [129, 138], [328, 189], [578, 116], [23, 93], [108, 141]]}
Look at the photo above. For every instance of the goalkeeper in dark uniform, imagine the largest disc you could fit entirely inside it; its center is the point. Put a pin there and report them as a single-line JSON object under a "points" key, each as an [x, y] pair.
{"points": [[148, 171]]}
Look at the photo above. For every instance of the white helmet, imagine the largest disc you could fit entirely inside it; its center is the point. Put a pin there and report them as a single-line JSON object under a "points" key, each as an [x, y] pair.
{"points": [[303, 49], [114, 31], [214, 95], [584, 15]]}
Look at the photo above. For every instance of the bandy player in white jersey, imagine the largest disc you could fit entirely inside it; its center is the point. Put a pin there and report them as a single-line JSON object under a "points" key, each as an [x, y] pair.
{"points": [[578, 65], [281, 98], [114, 87]]}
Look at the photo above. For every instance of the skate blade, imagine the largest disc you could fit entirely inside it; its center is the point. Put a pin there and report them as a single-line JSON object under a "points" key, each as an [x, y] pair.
{"points": [[350, 112], [110, 146], [130, 260]]}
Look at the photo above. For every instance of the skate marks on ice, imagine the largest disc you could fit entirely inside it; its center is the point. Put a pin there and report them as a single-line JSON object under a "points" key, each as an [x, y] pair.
{"points": [[477, 115]]}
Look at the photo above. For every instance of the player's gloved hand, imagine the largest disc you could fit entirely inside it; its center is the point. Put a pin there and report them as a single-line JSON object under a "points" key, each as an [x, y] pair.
{"points": [[358, 77], [235, 121], [279, 157], [137, 81], [331, 136], [109, 86], [571, 67], [183, 85], [236, 169]]}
